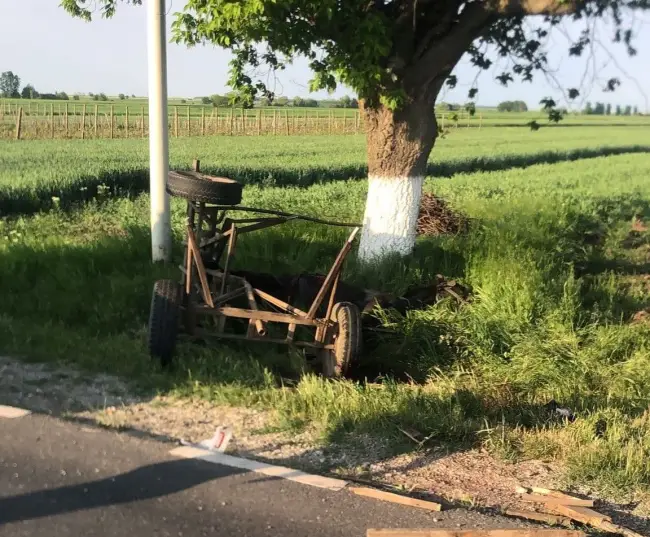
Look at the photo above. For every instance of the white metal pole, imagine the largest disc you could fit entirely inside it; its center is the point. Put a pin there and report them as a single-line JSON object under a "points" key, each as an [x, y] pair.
{"points": [[158, 132]]}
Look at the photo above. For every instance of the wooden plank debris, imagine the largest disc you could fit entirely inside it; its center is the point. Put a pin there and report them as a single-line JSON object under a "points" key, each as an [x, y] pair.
{"points": [[554, 500], [395, 498], [582, 514], [570, 508], [546, 518], [530, 532], [613, 528], [556, 494]]}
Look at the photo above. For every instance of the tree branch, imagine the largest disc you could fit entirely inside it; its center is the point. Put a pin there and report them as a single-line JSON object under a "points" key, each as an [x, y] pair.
{"points": [[440, 58], [534, 7]]}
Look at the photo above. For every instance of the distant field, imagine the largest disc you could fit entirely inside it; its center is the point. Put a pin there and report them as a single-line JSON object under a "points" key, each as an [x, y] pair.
{"points": [[138, 106], [32, 172]]}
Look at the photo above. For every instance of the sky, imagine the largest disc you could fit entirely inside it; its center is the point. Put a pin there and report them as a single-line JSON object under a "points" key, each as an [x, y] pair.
{"points": [[44, 46]]}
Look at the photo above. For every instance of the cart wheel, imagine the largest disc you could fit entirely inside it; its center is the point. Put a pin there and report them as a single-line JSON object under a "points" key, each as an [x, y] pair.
{"points": [[346, 337], [163, 320], [198, 187]]}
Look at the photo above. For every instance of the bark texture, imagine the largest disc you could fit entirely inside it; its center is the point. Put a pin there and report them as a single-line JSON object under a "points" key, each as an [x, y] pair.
{"points": [[399, 143]]}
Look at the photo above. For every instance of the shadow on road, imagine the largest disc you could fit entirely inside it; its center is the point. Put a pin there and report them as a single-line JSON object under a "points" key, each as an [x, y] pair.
{"points": [[143, 483]]}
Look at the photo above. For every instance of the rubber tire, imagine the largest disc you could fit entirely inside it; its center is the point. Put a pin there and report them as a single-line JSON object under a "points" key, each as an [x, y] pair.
{"points": [[347, 340], [198, 187], [164, 318]]}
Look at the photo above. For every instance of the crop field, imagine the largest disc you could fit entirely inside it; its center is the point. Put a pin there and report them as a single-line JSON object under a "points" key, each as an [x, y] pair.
{"points": [[557, 257]]}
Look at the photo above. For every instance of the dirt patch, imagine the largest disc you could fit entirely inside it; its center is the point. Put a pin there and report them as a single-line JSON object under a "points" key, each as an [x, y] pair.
{"points": [[43, 388], [639, 225], [637, 237], [437, 218], [642, 316], [473, 477]]}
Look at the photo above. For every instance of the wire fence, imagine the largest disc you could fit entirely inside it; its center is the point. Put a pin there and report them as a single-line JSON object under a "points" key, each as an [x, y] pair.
{"points": [[88, 121], [61, 120]]}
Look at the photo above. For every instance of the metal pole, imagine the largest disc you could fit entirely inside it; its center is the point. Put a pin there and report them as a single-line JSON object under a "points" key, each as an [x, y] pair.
{"points": [[158, 132]]}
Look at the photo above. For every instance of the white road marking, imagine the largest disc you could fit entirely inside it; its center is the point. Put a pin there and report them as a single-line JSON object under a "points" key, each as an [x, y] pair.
{"points": [[11, 412], [190, 452]]}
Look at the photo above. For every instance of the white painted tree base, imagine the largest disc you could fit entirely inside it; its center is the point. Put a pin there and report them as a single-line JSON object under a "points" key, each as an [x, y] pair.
{"points": [[390, 220]]}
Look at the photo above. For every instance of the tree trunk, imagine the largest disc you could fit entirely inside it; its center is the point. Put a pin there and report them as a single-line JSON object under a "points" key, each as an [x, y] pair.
{"points": [[399, 144]]}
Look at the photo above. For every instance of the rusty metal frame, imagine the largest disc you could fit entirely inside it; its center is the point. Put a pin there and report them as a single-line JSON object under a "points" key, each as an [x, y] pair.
{"points": [[226, 287]]}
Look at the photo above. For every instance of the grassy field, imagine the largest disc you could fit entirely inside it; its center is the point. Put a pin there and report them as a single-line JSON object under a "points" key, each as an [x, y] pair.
{"points": [[558, 257], [31, 173]]}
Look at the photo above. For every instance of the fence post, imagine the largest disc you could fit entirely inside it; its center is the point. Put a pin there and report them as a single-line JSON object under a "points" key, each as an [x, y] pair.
{"points": [[19, 122], [286, 118], [83, 122], [232, 118], [202, 121], [175, 121], [66, 119], [112, 110]]}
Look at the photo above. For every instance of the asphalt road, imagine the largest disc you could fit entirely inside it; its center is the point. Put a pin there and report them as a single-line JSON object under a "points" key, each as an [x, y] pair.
{"points": [[62, 478]]}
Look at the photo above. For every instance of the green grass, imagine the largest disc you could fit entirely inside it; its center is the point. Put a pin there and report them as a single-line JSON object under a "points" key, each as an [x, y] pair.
{"points": [[555, 273], [33, 172]]}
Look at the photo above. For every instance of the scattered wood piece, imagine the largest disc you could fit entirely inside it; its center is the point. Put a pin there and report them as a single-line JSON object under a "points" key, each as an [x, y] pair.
{"points": [[396, 498], [613, 528], [594, 519], [582, 514], [557, 494], [546, 518], [570, 508], [530, 532], [553, 500]]}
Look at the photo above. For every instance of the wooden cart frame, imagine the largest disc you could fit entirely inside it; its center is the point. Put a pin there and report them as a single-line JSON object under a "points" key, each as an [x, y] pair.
{"points": [[210, 234]]}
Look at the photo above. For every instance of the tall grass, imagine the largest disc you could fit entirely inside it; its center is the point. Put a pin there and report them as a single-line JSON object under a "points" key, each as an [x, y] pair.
{"points": [[555, 283]]}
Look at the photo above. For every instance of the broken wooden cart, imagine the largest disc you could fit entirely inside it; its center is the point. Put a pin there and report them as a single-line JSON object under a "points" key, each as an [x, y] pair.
{"points": [[209, 294]]}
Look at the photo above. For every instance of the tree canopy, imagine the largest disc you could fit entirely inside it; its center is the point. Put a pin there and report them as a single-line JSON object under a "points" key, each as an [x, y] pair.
{"points": [[512, 106], [386, 50], [9, 84]]}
